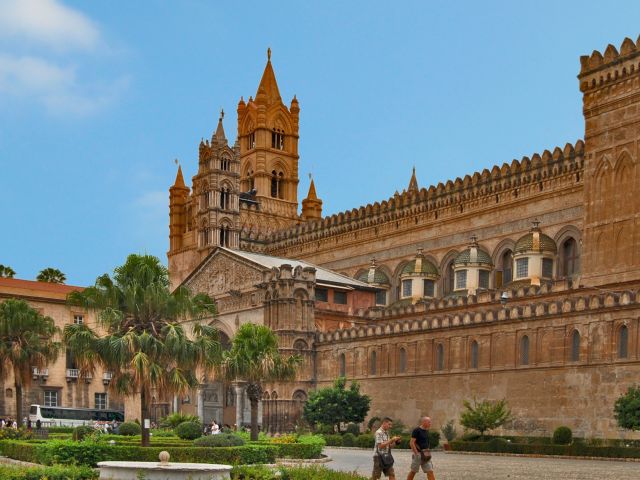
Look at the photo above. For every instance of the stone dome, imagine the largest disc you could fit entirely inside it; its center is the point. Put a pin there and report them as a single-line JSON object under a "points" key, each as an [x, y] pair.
{"points": [[379, 277], [535, 241], [474, 255], [426, 268]]}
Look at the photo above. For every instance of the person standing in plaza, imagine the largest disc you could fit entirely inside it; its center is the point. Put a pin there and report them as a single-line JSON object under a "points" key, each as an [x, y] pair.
{"points": [[420, 447], [382, 445]]}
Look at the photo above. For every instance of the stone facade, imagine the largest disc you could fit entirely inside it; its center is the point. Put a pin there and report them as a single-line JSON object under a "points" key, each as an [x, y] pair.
{"points": [[517, 282], [60, 382]]}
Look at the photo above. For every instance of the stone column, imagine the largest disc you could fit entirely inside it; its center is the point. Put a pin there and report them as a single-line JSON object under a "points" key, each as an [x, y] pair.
{"points": [[200, 405], [239, 389]]}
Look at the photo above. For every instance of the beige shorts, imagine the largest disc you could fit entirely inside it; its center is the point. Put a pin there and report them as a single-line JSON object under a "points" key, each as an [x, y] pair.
{"points": [[378, 470], [417, 463]]}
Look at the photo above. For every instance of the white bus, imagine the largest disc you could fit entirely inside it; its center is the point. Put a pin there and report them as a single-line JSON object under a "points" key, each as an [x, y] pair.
{"points": [[71, 417]]}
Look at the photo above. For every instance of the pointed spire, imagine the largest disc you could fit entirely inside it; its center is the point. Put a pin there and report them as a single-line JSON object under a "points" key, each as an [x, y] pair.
{"points": [[312, 191], [268, 85], [179, 183], [413, 183], [219, 135]]}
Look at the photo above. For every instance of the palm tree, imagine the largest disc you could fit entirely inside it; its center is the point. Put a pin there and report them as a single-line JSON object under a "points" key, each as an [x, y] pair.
{"points": [[254, 358], [27, 340], [145, 344], [51, 275], [6, 271]]}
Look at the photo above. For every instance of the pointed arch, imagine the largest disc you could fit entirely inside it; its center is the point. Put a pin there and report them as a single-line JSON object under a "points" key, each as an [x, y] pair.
{"points": [[503, 260], [446, 272]]}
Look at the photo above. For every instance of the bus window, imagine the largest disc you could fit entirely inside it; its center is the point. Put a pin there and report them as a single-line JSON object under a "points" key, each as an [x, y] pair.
{"points": [[33, 410]]}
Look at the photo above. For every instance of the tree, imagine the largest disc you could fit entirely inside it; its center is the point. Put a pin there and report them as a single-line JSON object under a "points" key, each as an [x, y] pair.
{"points": [[254, 358], [143, 339], [27, 340], [6, 271], [627, 409], [337, 404], [51, 275], [485, 415]]}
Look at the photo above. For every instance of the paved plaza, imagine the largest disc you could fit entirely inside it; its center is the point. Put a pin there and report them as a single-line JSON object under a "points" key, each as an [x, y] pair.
{"points": [[489, 467]]}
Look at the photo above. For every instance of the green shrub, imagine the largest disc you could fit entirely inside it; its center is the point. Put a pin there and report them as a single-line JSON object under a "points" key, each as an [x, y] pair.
{"points": [[90, 453], [397, 428], [449, 431], [333, 440], [82, 431], [173, 420], [220, 440], [349, 440], [353, 428], [157, 432], [60, 429], [434, 438], [308, 446], [562, 436], [189, 430], [56, 472], [252, 472], [128, 429], [365, 441], [325, 429], [315, 473], [576, 449], [13, 434]]}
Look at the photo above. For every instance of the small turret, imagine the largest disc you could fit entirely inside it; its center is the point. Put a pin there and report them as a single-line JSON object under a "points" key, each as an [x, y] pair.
{"points": [[178, 195], [219, 136], [312, 205], [413, 183]]}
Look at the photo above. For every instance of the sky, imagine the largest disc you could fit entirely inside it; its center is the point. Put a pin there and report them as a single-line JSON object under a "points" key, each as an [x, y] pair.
{"points": [[97, 100]]}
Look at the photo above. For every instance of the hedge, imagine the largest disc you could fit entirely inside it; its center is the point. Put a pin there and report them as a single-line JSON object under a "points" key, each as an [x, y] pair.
{"points": [[90, 453], [367, 440], [57, 472], [500, 445], [291, 473]]}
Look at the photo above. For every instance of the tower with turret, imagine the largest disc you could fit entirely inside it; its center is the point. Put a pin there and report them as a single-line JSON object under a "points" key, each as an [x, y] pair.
{"points": [[268, 146], [611, 105]]}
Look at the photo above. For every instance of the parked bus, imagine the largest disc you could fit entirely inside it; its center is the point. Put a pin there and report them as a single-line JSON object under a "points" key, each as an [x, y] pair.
{"points": [[71, 417]]}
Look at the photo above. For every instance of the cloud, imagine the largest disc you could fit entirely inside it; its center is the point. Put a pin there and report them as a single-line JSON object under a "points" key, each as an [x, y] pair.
{"points": [[56, 86], [49, 23]]}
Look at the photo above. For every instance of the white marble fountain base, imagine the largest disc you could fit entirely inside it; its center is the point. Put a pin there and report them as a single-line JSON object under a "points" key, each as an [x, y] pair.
{"points": [[159, 471]]}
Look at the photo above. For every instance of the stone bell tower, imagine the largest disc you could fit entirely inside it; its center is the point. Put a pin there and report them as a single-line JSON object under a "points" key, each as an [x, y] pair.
{"points": [[268, 140], [610, 85]]}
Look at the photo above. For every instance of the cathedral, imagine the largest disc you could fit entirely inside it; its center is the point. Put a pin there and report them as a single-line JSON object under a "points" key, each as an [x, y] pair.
{"points": [[521, 281]]}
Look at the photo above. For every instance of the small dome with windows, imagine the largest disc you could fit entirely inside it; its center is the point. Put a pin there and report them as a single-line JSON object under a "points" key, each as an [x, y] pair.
{"points": [[473, 255], [373, 275], [420, 266], [536, 241]]}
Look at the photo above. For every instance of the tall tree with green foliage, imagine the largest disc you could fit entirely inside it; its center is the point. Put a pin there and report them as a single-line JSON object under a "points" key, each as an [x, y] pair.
{"points": [[144, 340], [51, 275], [485, 415], [254, 358], [6, 271], [27, 339], [627, 409], [337, 404]]}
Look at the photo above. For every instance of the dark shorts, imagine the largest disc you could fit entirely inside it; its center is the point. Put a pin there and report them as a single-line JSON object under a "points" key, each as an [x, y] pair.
{"points": [[378, 470]]}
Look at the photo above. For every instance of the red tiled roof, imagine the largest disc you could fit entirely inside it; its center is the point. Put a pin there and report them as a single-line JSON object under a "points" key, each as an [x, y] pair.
{"points": [[30, 288]]}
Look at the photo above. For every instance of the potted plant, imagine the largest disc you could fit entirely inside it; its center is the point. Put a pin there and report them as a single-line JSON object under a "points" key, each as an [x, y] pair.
{"points": [[449, 433]]}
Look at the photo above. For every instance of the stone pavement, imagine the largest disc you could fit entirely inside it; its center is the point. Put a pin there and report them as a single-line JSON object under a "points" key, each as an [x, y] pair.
{"points": [[489, 467]]}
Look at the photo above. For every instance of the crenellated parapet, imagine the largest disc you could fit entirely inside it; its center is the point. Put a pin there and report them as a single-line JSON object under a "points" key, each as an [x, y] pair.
{"points": [[521, 307], [597, 70], [528, 177]]}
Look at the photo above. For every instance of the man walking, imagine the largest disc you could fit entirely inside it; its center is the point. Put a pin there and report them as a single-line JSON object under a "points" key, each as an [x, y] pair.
{"points": [[382, 445], [419, 445]]}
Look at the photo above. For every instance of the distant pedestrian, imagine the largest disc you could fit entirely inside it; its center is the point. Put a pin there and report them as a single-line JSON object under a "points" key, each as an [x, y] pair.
{"points": [[38, 424], [421, 449], [382, 451]]}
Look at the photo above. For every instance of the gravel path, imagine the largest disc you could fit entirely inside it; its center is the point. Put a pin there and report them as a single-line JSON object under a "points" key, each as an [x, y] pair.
{"points": [[489, 467]]}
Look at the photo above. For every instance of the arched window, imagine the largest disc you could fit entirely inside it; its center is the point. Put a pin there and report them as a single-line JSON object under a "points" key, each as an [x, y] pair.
{"points": [[300, 345], [439, 357], [524, 350], [342, 362], [474, 354], [252, 180], [506, 262], [277, 139], [402, 361], [300, 396], [224, 163], [449, 278], [570, 258], [575, 346], [277, 184], [623, 342], [461, 279], [373, 367], [429, 288], [224, 236], [406, 288], [225, 198]]}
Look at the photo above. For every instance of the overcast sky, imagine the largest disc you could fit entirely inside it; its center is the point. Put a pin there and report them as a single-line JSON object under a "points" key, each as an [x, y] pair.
{"points": [[97, 99]]}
